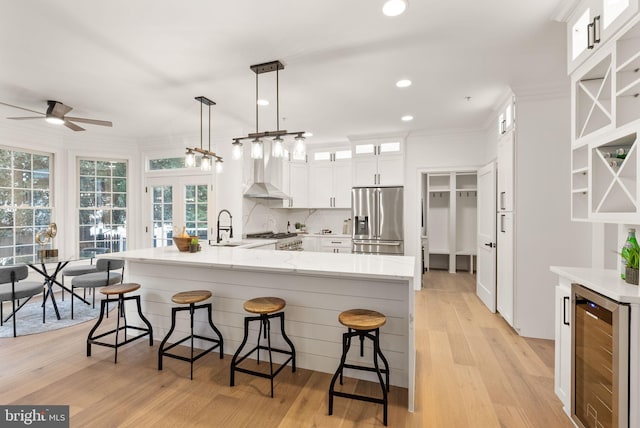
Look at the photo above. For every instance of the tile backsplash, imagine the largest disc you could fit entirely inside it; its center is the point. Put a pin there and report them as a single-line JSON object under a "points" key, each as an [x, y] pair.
{"points": [[258, 216]]}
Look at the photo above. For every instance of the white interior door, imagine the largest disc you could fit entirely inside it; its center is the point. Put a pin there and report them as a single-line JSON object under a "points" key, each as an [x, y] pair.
{"points": [[176, 203], [486, 274]]}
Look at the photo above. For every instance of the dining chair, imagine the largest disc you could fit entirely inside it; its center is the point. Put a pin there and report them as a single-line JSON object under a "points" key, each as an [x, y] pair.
{"points": [[106, 274], [84, 268], [13, 289]]}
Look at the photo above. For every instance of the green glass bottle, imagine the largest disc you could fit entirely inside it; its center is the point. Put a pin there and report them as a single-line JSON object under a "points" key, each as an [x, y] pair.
{"points": [[630, 243]]}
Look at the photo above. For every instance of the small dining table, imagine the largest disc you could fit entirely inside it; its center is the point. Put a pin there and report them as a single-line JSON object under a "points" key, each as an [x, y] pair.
{"points": [[39, 264]]}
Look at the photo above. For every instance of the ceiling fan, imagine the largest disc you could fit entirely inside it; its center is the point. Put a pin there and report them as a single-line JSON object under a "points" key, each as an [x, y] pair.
{"points": [[56, 113]]}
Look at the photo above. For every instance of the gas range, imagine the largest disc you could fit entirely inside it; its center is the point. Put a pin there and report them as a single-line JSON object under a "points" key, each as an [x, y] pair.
{"points": [[284, 241]]}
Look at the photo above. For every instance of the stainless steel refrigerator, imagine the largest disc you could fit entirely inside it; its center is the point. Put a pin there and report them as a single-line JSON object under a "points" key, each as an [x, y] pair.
{"points": [[377, 214]]}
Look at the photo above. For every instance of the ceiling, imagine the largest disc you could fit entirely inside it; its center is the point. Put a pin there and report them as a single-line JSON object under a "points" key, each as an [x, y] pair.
{"points": [[141, 63]]}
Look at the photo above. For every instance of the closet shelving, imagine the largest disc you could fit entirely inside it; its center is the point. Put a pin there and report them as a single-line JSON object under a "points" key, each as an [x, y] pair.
{"points": [[451, 212]]}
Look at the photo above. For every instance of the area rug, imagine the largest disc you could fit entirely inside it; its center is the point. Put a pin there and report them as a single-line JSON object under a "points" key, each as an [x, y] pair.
{"points": [[29, 318]]}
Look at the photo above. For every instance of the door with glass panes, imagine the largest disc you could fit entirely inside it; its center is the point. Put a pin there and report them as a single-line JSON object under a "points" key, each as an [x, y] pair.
{"points": [[178, 203]]}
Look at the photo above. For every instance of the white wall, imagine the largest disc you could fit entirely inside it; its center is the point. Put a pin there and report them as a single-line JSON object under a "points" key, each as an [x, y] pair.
{"points": [[434, 151], [545, 234]]}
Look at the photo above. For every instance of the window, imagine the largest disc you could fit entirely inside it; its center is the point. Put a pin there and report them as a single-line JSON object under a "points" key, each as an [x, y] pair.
{"points": [[390, 147], [103, 204], [162, 208], [343, 154], [25, 202], [196, 213], [170, 163]]}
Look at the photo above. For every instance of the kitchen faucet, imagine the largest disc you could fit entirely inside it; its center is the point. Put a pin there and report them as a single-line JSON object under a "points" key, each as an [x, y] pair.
{"points": [[229, 228]]}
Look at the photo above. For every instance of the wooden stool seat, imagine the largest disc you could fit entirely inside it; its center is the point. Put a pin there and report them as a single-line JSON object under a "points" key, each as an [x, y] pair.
{"points": [[264, 305], [188, 297], [119, 288], [191, 298], [362, 319], [116, 294], [266, 308]]}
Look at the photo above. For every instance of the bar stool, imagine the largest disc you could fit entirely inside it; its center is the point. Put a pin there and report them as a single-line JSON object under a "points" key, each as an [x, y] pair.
{"points": [[266, 308], [190, 298], [363, 323], [118, 290]]}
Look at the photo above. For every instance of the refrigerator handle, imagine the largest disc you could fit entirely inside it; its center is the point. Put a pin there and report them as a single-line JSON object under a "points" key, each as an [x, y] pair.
{"points": [[376, 204], [502, 223], [502, 204]]}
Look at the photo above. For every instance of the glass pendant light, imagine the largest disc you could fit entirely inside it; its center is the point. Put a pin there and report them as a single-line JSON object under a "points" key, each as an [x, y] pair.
{"points": [[299, 148], [189, 158], [277, 150], [236, 150], [256, 149], [205, 163], [219, 166]]}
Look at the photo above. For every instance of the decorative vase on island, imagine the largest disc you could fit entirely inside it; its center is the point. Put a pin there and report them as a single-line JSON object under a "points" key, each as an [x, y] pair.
{"points": [[631, 276]]}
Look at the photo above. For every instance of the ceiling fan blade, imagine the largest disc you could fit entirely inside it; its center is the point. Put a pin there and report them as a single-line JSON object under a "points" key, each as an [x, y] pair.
{"points": [[72, 126], [26, 118], [57, 109], [21, 108], [90, 121]]}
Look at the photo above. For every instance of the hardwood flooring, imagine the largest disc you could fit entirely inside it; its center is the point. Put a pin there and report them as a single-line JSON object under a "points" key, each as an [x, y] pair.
{"points": [[472, 371]]}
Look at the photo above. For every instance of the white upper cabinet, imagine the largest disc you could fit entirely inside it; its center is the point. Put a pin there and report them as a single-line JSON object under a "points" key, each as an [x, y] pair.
{"points": [[605, 116], [378, 163], [330, 178], [506, 119], [296, 183], [593, 23], [506, 171]]}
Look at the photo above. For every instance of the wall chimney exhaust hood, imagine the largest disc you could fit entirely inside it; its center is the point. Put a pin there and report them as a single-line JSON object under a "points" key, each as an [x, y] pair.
{"points": [[266, 172]]}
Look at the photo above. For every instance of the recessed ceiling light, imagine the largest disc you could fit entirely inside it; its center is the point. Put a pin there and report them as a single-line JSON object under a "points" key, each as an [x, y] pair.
{"points": [[407, 118], [394, 7], [403, 83], [307, 134], [263, 103]]}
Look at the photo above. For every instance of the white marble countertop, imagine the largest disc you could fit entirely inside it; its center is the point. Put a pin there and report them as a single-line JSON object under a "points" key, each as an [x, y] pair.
{"points": [[244, 243], [603, 281], [311, 263]]}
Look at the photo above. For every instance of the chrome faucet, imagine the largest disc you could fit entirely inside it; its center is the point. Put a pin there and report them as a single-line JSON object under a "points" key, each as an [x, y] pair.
{"points": [[229, 228]]}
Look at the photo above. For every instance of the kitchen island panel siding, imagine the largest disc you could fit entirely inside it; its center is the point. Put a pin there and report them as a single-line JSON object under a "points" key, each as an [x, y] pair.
{"points": [[313, 306]]}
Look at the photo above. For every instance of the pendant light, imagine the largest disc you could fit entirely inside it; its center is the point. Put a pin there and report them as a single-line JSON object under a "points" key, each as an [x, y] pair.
{"points": [[207, 154], [257, 138]]}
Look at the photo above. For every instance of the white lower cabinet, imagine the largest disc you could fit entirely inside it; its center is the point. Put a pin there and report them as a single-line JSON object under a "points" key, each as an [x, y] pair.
{"points": [[335, 245], [562, 378], [310, 243]]}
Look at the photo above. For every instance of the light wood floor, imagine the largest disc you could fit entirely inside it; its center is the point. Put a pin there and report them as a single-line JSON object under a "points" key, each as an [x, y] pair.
{"points": [[473, 371]]}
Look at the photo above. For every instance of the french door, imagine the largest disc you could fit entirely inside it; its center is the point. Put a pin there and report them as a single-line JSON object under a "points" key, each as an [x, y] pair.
{"points": [[177, 203]]}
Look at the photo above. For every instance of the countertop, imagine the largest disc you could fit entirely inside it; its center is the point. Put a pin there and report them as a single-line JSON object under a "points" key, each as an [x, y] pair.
{"points": [[603, 281], [366, 266]]}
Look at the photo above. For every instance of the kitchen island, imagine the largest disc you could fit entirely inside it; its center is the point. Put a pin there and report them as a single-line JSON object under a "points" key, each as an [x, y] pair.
{"points": [[316, 287]]}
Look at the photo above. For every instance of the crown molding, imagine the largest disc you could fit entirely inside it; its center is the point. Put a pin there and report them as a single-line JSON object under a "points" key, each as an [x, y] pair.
{"points": [[563, 10]]}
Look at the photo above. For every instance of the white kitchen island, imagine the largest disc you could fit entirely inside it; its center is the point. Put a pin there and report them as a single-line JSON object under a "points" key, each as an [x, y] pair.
{"points": [[316, 287]]}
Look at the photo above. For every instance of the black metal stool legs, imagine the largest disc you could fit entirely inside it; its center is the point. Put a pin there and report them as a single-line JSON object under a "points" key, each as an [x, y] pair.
{"points": [[93, 339], [346, 344], [265, 323], [217, 343]]}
